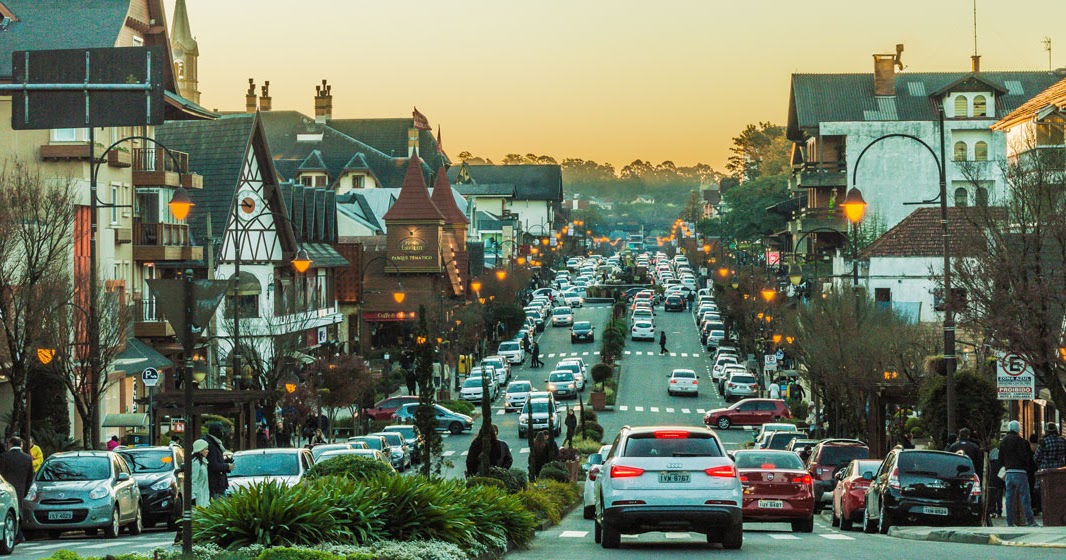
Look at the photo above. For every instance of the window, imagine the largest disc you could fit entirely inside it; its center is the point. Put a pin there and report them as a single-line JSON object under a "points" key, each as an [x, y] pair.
{"points": [[114, 204], [64, 134], [962, 198], [883, 295], [1049, 134], [320, 180], [179, 68], [960, 151], [357, 181], [981, 197], [306, 180], [979, 106], [962, 106], [980, 151]]}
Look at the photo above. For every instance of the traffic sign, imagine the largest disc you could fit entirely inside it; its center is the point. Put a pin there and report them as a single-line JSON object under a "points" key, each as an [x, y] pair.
{"points": [[150, 377], [1015, 379], [770, 362]]}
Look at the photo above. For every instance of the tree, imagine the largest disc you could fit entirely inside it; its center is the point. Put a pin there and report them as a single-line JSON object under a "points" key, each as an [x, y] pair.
{"points": [[36, 246], [693, 208], [747, 218], [426, 415], [978, 407], [341, 382], [760, 150]]}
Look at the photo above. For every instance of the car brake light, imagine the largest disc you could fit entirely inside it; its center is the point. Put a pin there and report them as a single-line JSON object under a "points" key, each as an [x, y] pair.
{"points": [[722, 471], [594, 471], [621, 471], [673, 381], [695, 382], [743, 478], [802, 479], [893, 479], [671, 434], [975, 491], [754, 387]]}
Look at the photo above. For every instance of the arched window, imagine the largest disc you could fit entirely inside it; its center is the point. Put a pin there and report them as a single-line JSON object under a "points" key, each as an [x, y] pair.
{"points": [[962, 106], [980, 151], [960, 151], [179, 68], [979, 106], [981, 197], [962, 198]]}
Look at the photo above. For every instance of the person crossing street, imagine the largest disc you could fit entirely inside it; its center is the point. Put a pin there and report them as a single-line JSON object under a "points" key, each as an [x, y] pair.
{"points": [[662, 343]]}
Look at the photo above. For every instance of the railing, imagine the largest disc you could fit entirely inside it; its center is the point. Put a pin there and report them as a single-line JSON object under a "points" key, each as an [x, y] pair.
{"points": [[156, 159], [824, 166], [160, 234], [145, 311]]}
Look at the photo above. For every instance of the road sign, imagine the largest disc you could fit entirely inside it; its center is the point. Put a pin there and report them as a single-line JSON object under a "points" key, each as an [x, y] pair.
{"points": [[150, 377], [770, 362], [780, 355], [170, 297], [1015, 379]]}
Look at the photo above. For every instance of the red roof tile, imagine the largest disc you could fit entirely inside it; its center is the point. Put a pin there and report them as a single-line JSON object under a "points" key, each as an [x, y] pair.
{"points": [[413, 202], [1052, 96], [920, 234], [445, 200]]}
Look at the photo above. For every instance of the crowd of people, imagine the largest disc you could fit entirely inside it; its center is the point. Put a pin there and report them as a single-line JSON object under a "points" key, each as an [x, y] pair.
{"points": [[1014, 465]]}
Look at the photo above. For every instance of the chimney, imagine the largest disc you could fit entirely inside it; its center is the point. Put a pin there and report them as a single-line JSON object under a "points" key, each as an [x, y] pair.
{"points": [[264, 99], [884, 75], [249, 98], [975, 63], [323, 102]]}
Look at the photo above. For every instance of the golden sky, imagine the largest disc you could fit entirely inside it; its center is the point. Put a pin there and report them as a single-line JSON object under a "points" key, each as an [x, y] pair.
{"points": [[607, 80]]}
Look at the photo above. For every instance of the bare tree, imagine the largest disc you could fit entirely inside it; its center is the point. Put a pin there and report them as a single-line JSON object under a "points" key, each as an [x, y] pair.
{"points": [[36, 245]]}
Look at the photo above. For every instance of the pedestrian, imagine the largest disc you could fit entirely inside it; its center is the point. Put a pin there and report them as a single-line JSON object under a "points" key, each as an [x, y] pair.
{"points": [[535, 353], [1014, 454], [281, 435], [571, 425], [473, 454], [952, 438], [544, 451], [217, 465], [525, 344], [1050, 452], [36, 454], [505, 458], [969, 448], [995, 484], [262, 437], [775, 390], [16, 467], [662, 343], [906, 442], [319, 438], [412, 381], [113, 443], [201, 490]]}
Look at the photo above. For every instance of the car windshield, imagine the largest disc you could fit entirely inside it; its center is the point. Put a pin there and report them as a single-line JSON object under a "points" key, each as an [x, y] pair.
{"points": [[839, 455], [582, 325], [75, 468], [742, 379], [693, 445], [392, 439], [939, 465], [155, 461], [561, 377], [763, 460], [265, 464], [561, 311], [571, 366], [472, 382], [509, 347], [538, 407], [372, 442], [519, 388]]}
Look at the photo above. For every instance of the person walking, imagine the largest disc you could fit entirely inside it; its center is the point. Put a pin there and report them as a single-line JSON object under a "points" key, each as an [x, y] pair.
{"points": [[217, 466], [969, 448], [662, 343], [952, 438], [201, 490], [1050, 452], [995, 484], [36, 454], [505, 458], [412, 382], [473, 454], [1014, 453], [544, 451], [535, 355], [319, 438], [571, 425], [775, 390], [16, 467]]}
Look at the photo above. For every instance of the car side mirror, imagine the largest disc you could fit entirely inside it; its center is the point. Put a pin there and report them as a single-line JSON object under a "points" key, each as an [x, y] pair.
{"points": [[123, 477], [868, 475], [839, 475], [596, 459]]}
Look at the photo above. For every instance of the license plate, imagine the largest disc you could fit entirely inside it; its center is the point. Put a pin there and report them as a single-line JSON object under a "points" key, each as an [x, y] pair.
{"points": [[771, 504], [60, 515], [674, 478], [935, 510]]}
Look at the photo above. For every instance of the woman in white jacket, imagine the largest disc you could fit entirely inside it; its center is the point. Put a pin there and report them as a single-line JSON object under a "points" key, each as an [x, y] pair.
{"points": [[201, 494]]}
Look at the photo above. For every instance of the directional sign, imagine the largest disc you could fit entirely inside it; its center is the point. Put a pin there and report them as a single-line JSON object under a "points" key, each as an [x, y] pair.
{"points": [[1015, 379], [171, 297], [150, 377]]}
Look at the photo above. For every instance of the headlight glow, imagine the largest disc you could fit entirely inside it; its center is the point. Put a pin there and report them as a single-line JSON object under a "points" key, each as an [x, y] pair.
{"points": [[98, 493]]}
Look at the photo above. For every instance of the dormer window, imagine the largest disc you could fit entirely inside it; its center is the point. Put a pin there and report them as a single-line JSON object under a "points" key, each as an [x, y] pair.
{"points": [[960, 151], [980, 108], [962, 106]]}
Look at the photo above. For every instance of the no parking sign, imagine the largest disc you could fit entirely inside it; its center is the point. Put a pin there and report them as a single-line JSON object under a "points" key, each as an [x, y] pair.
{"points": [[1015, 380]]}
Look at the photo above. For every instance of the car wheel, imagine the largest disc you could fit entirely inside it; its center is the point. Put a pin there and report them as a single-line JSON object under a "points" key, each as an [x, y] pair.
{"points": [[455, 428], [136, 527], [714, 536], [733, 537], [845, 522], [7, 545], [885, 522], [597, 530], [835, 520], [724, 423], [590, 512], [803, 526], [867, 525], [112, 530], [669, 393], [612, 537]]}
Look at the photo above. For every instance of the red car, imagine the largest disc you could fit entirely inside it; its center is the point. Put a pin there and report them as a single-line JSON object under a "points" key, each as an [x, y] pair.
{"points": [[748, 412], [776, 488], [849, 497], [387, 406], [826, 459]]}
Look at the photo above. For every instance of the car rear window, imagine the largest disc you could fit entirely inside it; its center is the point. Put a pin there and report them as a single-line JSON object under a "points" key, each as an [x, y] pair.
{"points": [[940, 465], [781, 440], [472, 382], [694, 445], [642, 325], [762, 460], [688, 374], [839, 456], [561, 377], [508, 347], [519, 388], [742, 379]]}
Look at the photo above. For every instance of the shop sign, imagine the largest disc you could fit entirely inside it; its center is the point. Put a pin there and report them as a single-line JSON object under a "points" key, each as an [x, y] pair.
{"points": [[389, 316]]}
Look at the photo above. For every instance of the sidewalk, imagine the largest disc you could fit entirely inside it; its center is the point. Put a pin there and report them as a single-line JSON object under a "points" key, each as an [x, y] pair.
{"points": [[1031, 537]]}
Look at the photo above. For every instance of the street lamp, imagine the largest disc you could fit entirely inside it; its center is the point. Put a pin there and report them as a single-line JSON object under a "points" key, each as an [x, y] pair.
{"points": [[795, 274], [768, 294]]}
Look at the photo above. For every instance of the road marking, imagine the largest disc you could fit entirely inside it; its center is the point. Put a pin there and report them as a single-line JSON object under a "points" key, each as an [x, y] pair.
{"points": [[465, 453], [447, 453], [585, 354], [700, 411], [673, 354], [685, 411], [630, 536], [573, 353], [596, 353], [523, 450], [655, 409], [836, 537], [501, 412], [676, 535], [623, 408], [683, 355], [783, 536], [573, 534], [627, 352], [101, 545], [669, 410], [639, 408], [35, 547]]}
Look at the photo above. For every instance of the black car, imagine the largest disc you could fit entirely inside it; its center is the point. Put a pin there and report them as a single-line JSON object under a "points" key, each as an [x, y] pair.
{"points": [[632, 292], [922, 487], [157, 471], [674, 303], [582, 331]]}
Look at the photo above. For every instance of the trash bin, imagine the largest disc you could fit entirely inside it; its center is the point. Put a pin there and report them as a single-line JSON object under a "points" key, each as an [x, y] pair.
{"points": [[1053, 496]]}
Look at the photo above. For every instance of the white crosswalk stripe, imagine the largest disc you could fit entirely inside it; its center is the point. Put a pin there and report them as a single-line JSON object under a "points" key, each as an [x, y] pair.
{"points": [[673, 354], [550, 356], [524, 450], [623, 408], [501, 412], [573, 534], [448, 453], [464, 453], [596, 353], [684, 355], [783, 536], [685, 411], [655, 409], [676, 535], [701, 411], [669, 410], [584, 353], [836, 537], [627, 352], [639, 408]]}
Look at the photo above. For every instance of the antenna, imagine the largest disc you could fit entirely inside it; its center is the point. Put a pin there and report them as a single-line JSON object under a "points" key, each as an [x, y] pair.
{"points": [[975, 27], [1047, 47]]}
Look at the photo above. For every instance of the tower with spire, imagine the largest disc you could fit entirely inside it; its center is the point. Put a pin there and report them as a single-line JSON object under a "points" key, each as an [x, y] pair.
{"points": [[414, 225], [186, 52]]}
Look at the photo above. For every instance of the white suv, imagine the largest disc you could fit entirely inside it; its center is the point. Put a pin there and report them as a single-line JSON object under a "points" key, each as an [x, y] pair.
{"points": [[668, 478]]}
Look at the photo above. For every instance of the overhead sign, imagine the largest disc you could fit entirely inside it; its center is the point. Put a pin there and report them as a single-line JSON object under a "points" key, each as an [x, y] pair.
{"points": [[150, 377], [1015, 379]]}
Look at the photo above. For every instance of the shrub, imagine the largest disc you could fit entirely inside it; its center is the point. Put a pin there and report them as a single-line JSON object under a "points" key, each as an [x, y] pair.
{"points": [[358, 508], [349, 466], [594, 432], [486, 481], [609, 395], [462, 407], [917, 431], [289, 553], [587, 415], [586, 446], [798, 409], [601, 372], [495, 513], [541, 505], [271, 514], [912, 423], [514, 480], [555, 470], [563, 494]]}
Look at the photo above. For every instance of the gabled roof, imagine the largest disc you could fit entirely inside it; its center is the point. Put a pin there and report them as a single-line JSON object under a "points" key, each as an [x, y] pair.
{"points": [[531, 182], [1053, 98], [357, 163], [818, 98], [413, 202], [444, 200], [389, 136], [921, 235], [478, 189], [313, 162]]}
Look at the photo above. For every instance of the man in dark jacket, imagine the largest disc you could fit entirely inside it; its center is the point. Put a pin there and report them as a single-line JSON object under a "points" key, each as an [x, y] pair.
{"points": [[1016, 456], [16, 466], [217, 467], [971, 449]]}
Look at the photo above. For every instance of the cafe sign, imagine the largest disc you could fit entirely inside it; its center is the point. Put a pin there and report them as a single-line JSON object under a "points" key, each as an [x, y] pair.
{"points": [[414, 248], [389, 316]]}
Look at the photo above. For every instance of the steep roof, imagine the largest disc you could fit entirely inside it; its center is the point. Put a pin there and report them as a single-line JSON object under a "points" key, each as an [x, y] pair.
{"points": [[488, 189], [920, 234], [818, 98], [313, 162], [444, 200], [389, 136], [414, 202], [531, 182], [1052, 98], [181, 33]]}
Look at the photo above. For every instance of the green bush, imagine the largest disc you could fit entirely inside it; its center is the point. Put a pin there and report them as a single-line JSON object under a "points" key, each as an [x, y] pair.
{"points": [[541, 505], [587, 415], [564, 494], [912, 423], [917, 431], [586, 446], [350, 466], [486, 481], [555, 470], [462, 407], [289, 553], [609, 395], [798, 409], [514, 480], [594, 432], [601, 372], [549, 500]]}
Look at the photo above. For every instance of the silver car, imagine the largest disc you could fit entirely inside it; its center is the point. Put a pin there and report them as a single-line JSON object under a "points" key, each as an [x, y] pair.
{"points": [[398, 451], [285, 465], [9, 509], [83, 490]]}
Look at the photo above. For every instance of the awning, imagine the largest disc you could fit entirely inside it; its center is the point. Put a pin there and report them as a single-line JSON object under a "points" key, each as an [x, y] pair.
{"points": [[128, 420], [324, 256], [137, 356]]}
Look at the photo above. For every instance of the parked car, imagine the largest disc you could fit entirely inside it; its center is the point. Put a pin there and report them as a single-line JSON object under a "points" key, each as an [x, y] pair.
{"points": [[502, 367], [683, 381], [83, 490], [718, 370], [11, 513], [849, 496], [776, 488], [582, 331], [562, 317], [159, 477], [674, 303], [592, 470], [545, 412], [561, 383], [473, 389], [740, 385], [411, 436], [748, 412], [922, 487], [447, 420], [828, 457], [668, 478], [318, 450], [284, 464], [384, 409], [398, 451]]}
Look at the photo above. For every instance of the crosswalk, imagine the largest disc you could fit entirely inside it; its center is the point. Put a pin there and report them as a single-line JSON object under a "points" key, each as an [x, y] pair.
{"points": [[748, 535], [572, 354], [696, 354], [453, 453], [145, 543]]}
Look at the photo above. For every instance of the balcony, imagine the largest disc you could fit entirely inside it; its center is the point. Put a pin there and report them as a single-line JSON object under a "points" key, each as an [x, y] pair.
{"points": [[148, 321], [816, 175], [811, 219], [152, 167], [67, 151], [155, 241]]}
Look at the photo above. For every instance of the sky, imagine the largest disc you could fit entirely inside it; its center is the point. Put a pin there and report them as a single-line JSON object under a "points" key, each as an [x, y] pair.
{"points": [[604, 80]]}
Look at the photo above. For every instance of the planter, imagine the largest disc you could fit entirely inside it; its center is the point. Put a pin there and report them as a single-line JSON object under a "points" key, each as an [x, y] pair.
{"points": [[574, 468], [116, 158], [598, 399]]}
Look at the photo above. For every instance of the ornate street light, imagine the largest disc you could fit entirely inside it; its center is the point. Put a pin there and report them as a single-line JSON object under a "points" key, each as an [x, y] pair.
{"points": [[301, 262], [854, 205], [795, 274], [768, 294], [180, 204]]}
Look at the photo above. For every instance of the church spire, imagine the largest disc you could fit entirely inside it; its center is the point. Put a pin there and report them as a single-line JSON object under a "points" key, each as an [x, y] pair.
{"points": [[186, 54], [181, 35]]}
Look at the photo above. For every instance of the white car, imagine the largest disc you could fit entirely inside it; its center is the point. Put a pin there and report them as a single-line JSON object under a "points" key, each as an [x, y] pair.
{"points": [[285, 465], [562, 317], [642, 330], [683, 381], [574, 298], [718, 371], [516, 395], [668, 478], [472, 390], [502, 367], [740, 385], [577, 367], [541, 406], [513, 351], [593, 466]]}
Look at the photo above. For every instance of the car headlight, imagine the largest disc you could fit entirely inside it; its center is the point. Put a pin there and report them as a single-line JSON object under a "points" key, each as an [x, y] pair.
{"points": [[521, 420], [31, 494], [161, 484], [98, 493], [551, 386]]}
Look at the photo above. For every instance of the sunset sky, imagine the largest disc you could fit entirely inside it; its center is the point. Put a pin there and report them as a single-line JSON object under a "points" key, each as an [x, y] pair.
{"points": [[607, 80]]}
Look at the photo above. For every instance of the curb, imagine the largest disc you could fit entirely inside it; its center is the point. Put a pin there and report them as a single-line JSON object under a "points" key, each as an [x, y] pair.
{"points": [[969, 537]]}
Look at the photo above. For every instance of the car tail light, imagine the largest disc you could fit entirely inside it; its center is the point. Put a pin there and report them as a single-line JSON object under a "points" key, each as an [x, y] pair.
{"points": [[671, 434], [754, 387], [975, 491], [594, 471], [743, 478], [722, 471], [718, 503], [695, 381], [622, 471], [673, 381], [893, 479], [802, 479]]}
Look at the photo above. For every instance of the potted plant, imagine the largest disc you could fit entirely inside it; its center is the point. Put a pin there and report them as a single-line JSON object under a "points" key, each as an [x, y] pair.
{"points": [[569, 457], [600, 374]]}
